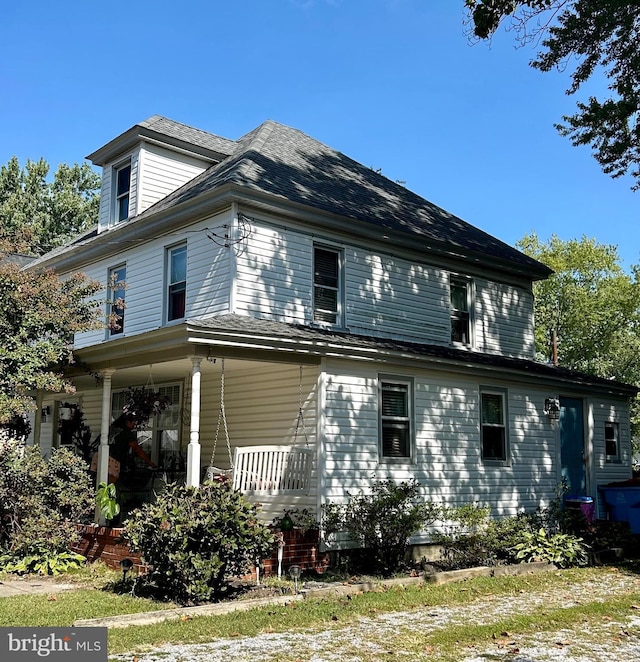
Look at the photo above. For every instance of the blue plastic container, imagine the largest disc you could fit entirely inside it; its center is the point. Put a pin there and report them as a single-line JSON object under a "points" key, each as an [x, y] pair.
{"points": [[620, 502]]}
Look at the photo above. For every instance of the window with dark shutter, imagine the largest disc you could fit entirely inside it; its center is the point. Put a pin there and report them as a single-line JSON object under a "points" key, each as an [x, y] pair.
{"points": [[460, 317], [395, 421], [326, 286]]}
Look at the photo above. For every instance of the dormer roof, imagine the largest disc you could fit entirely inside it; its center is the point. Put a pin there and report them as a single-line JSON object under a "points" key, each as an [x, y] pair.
{"points": [[163, 131]]}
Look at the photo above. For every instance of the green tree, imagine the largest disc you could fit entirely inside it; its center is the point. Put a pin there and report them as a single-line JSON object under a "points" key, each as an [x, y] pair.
{"points": [[39, 313], [37, 215], [599, 35], [594, 307]]}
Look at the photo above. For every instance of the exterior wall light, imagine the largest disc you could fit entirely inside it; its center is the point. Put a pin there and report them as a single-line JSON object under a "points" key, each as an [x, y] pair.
{"points": [[552, 408]]}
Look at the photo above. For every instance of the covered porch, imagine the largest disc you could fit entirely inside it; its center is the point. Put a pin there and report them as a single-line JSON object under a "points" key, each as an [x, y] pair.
{"points": [[251, 416]]}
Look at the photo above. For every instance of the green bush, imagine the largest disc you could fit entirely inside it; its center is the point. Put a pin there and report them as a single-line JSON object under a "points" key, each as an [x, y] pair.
{"points": [[196, 539], [41, 501], [382, 522], [562, 549]]}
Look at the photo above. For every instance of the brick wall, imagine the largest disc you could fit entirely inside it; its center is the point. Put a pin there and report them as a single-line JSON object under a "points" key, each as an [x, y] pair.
{"points": [[103, 542], [300, 548]]}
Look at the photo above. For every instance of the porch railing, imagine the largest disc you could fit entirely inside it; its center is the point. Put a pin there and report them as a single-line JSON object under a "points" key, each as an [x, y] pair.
{"points": [[272, 469]]}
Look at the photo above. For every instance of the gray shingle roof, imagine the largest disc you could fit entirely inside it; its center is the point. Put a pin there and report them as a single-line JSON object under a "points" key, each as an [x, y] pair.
{"points": [[237, 324], [284, 162], [189, 134]]}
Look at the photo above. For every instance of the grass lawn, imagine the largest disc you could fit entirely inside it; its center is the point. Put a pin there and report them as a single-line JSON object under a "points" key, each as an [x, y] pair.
{"points": [[442, 643]]}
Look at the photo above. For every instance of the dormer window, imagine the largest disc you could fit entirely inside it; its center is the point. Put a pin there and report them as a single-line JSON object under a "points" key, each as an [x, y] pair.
{"points": [[123, 189]]}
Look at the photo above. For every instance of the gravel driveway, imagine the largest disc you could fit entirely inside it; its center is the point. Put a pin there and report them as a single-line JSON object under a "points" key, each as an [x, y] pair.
{"points": [[376, 638]]}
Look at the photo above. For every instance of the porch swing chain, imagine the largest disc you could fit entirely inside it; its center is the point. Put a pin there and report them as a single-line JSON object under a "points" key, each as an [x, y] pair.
{"points": [[222, 417], [300, 420]]}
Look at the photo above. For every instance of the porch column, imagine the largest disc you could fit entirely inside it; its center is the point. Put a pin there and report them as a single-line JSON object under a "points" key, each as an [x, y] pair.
{"points": [[37, 421], [193, 450], [103, 449]]}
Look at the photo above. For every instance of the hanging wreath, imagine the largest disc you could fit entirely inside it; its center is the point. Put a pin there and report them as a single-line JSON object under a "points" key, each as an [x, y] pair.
{"points": [[142, 403]]}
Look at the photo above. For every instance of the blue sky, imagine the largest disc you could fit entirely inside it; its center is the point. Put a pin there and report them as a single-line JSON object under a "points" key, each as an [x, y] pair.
{"points": [[393, 84]]}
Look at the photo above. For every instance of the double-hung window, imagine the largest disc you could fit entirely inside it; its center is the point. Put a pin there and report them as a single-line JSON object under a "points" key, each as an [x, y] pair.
{"points": [[493, 425], [460, 291], [122, 192], [612, 441], [327, 285], [396, 425], [115, 307], [176, 282], [160, 437]]}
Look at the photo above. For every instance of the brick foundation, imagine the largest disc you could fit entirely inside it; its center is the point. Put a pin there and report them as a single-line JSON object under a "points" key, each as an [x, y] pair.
{"points": [[300, 548], [102, 542]]}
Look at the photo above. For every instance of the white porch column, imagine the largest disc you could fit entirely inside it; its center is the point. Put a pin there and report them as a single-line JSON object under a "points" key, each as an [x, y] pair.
{"points": [[103, 449], [193, 450], [37, 421]]}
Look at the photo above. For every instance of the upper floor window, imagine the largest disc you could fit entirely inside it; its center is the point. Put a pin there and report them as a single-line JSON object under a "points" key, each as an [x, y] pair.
{"points": [[612, 441], [493, 423], [115, 305], [176, 282], [122, 191], [327, 285], [460, 296], [396, 428]]}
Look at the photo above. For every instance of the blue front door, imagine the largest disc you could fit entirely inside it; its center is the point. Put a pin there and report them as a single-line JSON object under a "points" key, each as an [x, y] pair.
{"points": [[572, 446]]}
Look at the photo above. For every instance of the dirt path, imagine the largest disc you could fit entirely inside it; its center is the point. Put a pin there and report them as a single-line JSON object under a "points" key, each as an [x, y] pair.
{"points": [[397, 635]]}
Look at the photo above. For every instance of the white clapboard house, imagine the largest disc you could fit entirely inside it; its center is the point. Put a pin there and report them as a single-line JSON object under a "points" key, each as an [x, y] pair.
{"points": [[317, 325]]}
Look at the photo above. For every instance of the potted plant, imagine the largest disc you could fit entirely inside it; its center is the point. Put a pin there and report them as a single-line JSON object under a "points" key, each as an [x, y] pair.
{"points": [[142, 403]]}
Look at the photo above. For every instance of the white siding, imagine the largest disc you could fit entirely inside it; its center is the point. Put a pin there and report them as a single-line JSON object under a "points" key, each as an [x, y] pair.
{"points": [[262, 406], [208, 286], [504, 319], [385, 296], [608, 472], [448, 450], [389, 296], [274, 275], [162, 172], [105, 219]]}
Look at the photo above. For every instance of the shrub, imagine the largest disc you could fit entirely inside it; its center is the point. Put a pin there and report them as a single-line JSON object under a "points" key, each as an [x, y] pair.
{"points": [[382, 522], [561, 549], [41, 500], [195, 539]]}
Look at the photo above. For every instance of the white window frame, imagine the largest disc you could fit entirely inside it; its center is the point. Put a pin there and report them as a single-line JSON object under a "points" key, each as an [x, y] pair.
{"points": [[503, 425], [113, 295], [338, 288], [614, 426], [150, 436], [170, 252], [456, 313], [406, 385], [119, 196]]}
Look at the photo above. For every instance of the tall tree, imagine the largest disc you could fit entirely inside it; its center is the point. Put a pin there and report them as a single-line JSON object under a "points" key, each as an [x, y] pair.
{"points": [[39, 313], [36, 214], [594, 307], [599, 35]]}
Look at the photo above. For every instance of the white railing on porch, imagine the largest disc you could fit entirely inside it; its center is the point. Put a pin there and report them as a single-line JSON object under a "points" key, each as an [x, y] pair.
{"points": [[272, 469]]}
